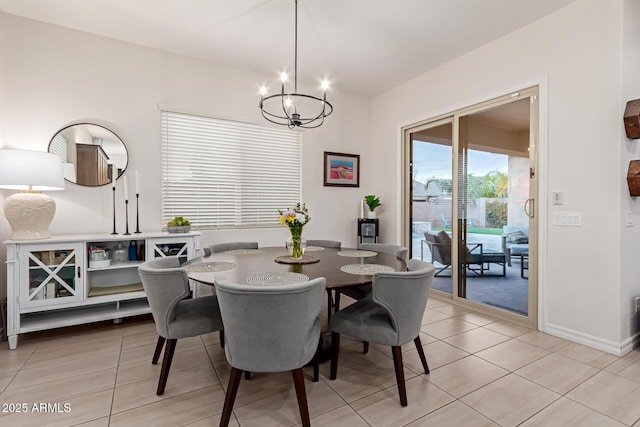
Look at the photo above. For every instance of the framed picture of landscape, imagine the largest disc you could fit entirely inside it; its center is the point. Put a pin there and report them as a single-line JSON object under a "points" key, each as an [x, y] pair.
{"points": [[341, 170]]}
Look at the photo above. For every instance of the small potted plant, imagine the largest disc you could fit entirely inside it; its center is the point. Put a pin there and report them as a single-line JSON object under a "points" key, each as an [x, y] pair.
{"points": [[372, 202], [178, 225]]}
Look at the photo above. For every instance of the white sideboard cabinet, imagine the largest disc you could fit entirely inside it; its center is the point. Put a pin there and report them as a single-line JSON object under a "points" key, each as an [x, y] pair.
{"points": [[51, 283]]}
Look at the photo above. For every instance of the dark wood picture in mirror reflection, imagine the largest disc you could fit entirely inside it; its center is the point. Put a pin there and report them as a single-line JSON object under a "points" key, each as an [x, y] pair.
{"points": [[91, 154]]}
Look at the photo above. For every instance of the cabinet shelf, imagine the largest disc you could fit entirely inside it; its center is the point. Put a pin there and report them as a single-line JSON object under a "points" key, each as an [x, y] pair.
{"points": [[117, 266], [85, 314]]}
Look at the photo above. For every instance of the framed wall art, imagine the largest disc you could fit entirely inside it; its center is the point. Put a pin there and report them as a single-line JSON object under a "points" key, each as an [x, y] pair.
{"points": [[341, 170]]}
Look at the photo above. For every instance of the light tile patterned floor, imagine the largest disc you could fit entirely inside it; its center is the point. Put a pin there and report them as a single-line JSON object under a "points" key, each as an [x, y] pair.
{"points": [[484, 372]]}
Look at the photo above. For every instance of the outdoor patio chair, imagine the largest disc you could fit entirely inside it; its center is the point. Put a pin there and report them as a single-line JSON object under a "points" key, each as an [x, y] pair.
{"points": [[439, 244], [515, 241]]}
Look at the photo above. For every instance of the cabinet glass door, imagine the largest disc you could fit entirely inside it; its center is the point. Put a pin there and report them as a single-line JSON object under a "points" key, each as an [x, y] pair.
{"points": [[53, 276], [177, 248]]}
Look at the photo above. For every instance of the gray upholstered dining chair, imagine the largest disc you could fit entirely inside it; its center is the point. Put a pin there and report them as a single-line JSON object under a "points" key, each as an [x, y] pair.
{"points": [[229, 246], [359, 292], [175, 314], [399, 251], [324, 243], [271, 329], [392, 316]]}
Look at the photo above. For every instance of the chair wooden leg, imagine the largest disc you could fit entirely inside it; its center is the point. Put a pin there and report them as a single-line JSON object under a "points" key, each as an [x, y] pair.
{"points": [[423, 359], [247, 375], [230, 398], [166, 365], [316, 363], [365, 347], [329, 303], [159, 346], [298, 381], [336, 304], [335, 347], [222, 338], [397, 363]]}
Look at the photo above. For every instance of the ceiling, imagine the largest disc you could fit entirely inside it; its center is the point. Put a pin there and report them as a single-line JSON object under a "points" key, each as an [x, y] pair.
{"points": [[363, 47]]}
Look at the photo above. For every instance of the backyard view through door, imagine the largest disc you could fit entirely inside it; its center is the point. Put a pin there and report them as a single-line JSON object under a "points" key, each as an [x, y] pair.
{"points": [[481, 212]]}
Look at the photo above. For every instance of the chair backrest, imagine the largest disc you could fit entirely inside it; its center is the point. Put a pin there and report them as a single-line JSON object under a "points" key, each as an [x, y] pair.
{"points": [[440, 246], [404, 295], [165, 284], [514, 228], [399, 251], [325, 243], [270, 328], [229, 246]]}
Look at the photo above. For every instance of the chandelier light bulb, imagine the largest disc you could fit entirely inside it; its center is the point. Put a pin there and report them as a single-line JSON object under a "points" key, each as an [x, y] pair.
{"points": [[263, 90], [284, 77], [287, 102], [324, 84]]}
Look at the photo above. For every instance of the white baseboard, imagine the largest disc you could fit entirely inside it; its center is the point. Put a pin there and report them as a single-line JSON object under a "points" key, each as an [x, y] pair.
{"points": [[617, 349]]}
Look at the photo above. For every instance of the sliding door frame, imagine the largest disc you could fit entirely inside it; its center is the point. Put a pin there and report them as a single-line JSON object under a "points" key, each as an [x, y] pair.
{"points": [[537, 91]]}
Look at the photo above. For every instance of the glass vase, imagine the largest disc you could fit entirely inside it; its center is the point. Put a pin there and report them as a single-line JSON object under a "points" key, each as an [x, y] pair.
{"points": [[296, 244]]}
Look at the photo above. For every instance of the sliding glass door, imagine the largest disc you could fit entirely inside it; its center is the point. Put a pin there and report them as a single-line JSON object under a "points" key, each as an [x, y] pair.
{"points": [[431, 201], [471, 205]]}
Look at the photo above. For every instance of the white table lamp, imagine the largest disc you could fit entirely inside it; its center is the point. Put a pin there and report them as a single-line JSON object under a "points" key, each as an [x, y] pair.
{"points": [[30, 212]]}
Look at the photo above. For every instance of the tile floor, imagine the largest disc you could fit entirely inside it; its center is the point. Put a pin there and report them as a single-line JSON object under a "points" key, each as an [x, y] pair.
{"points": [[484, 372]]}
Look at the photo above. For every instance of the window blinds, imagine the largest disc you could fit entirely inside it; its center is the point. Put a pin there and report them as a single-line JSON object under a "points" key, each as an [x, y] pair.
{"points": [[225, 174]]}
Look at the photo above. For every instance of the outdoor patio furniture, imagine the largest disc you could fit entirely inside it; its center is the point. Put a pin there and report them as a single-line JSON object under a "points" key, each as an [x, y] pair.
{"points": [[477, 260], [515, 241]]}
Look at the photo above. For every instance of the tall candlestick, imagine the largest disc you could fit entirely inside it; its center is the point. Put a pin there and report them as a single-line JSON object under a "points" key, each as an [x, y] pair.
{"points": [[126, 215], [137, 213], [137, 182], [126, 191], [113, 191]]}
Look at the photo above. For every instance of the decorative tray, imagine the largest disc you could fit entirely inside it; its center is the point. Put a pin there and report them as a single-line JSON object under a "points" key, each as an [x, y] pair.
{"points": [[306, 259]]}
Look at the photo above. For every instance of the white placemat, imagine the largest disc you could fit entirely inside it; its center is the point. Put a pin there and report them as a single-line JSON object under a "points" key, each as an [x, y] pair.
{"points": [[314, 248], [357, 254], [277, 279], [210, 266], [366, 269], [244, 252]]}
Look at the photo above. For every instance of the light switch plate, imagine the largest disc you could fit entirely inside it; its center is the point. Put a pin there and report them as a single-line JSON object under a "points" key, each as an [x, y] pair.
{"points": [[629, 219], [571, 219], [557, 197]]}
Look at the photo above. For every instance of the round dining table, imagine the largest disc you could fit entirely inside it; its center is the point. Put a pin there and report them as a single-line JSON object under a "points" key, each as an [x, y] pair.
{"points": [[240, 265], [271, 266], [341, 268]]}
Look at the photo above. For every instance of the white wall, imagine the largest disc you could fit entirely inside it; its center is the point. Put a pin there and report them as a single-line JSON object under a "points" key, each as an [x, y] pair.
{"points": [[630, 267], [54, 76], [578, 49]]}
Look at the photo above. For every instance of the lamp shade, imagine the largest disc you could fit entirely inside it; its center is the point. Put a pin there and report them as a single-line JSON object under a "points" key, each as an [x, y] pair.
{"points": [[30, 212], [30, 170]]}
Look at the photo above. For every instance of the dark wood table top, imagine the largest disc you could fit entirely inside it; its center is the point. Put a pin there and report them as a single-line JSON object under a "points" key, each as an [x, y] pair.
{"points": [[263, 261]]}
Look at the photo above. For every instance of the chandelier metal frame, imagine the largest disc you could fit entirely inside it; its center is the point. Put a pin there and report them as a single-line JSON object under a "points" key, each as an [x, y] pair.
{"points": [[284, 106]]}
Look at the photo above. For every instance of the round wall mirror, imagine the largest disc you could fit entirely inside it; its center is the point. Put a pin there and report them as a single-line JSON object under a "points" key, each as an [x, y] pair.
{"points": [[92, 155]]}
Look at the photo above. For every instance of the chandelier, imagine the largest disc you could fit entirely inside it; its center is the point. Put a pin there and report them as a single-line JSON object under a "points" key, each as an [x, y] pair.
{"points": [[295, 109]]}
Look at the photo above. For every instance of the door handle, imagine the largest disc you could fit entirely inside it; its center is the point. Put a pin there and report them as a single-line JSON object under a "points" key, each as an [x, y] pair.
{"points": [[529, 206]]}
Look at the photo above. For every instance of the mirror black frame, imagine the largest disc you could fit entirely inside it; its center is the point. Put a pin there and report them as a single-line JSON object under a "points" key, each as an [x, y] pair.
{"points": [[102, 175]]}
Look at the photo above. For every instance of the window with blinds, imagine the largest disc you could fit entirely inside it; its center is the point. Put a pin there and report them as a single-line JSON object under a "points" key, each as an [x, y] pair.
{"points": [[225, 174]]}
